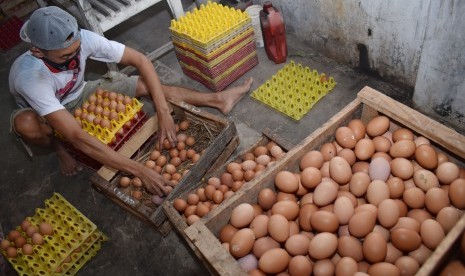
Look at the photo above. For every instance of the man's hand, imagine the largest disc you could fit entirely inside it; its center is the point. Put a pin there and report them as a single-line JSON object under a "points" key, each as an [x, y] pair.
{"points": [[166, 129], [153, 182]]}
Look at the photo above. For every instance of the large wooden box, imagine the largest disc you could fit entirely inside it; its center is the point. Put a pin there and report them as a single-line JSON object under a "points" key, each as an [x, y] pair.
{"points": [[218, 141], [369, 103]]}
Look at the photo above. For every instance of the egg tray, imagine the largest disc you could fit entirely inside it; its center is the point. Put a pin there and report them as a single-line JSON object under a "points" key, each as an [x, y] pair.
{"points": [[220, 83], [208, 24], [218, 57], [294, 90], [60, 251], [224, 65], [93, 164], [212, 50], [107, 135], [368, 104]]}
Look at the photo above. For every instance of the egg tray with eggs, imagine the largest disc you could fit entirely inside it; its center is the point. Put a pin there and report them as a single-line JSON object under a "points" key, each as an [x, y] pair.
{"points": [[344, 226], [294, 90], [204, 140], [56, 240], [109, 116]]}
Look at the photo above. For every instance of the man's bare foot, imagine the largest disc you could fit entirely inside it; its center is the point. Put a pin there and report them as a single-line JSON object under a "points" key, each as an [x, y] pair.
{"points": [[230, 97], [68, 165]]}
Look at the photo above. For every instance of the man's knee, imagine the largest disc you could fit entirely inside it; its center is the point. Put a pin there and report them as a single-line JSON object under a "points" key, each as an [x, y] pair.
{"points": [[28, 125]]}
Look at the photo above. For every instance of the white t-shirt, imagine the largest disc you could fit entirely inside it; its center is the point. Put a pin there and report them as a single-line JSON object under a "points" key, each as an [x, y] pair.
{"points": [[32, 84]]}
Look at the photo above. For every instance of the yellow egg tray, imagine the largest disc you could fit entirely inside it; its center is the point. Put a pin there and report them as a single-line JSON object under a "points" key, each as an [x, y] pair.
{"points": [[106, 135], [217, 59], [75, 241], [208, 23], [223, 74], [294, 90]]}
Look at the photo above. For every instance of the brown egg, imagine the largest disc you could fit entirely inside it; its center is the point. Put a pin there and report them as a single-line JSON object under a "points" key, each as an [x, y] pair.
{"points": [[448, 217], [377, 191], [328, 150], [324, 267], [286, 182], [362, 223], [453, 268], [377, 126], [226, 179], [325, 193], [358, 184], [249, 175], [414, 198], [300, 265], [192, 219], [45, 228], [425, 179], [323, 246], [407, 265], [242, 215], [447, 172], [227, 232], [27, 249], [202, 210], [382, 144], [278, 227], [264, 244], [325, 169], [431, 233], [288, 208], [374, 247], [402, 168], [358, 127], [312, 159], [260, 150], [305, 213], [406, 240], [266, 198], [402, 148], [402, 134], [274, 261], [457, 193], [345, 137], [343, 210], [193, 199], [436, 199], [340, 170], [19, 241], [383, 268], [37, 239], [396, 187], [421, 254], [297, 244], [248, 165], [242, 242], [360, 166], [11, 252], [180, 204], [388, 213], [259, 225], [426, 156], [324, 221], [349, 246], [218, 196]]}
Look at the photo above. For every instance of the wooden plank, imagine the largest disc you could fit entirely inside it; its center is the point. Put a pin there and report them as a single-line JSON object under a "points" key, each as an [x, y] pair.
{"points": [[131, 146], [151, 56], [209, 245], [103, 9], [113, 4], [435, 131], [283, 143], [441, 252]]}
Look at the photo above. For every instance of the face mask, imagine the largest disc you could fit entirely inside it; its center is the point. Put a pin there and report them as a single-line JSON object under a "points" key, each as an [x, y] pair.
{"points": [[70, 64]]}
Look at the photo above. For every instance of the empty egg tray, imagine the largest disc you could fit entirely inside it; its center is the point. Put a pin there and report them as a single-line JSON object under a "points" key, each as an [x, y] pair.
{"points": [[75, 241], [294, 90]]}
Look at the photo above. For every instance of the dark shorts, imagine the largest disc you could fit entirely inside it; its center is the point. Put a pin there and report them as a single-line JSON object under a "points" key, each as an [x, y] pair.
{"points": [[112, 81]]}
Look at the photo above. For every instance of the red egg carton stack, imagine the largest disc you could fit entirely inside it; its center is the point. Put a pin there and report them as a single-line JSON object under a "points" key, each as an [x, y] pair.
{"points": [[9, 33]]}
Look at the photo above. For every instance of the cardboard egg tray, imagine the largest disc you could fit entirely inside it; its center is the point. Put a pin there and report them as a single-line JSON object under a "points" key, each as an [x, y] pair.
{"points": [[75, 240], [225, 79], [216, 139], [294, 90], [208, 24], [202, 235]]}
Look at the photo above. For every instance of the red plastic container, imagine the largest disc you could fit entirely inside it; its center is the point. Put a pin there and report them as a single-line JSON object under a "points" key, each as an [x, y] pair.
{"points": [[274, 33]]}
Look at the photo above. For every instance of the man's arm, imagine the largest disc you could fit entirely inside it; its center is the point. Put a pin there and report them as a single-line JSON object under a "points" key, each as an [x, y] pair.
{"points": [[63, 122], [154, 90]]}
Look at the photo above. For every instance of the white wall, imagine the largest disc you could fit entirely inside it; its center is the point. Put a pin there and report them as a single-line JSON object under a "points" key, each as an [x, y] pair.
{"points": [[418, 44]]}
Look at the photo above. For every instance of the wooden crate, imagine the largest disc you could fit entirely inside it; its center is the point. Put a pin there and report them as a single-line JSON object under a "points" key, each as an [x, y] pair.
{"points": [[223, 141], [369, 103], [178, 221]]}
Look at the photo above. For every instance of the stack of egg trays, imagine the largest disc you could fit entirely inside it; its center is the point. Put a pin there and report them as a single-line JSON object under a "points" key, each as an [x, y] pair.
{"points": [[74, 242], [294, 90], [106, 135], [219, 60]]}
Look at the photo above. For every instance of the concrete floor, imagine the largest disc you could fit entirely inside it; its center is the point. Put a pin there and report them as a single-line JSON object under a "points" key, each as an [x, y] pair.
{"points": [[133, 247]]}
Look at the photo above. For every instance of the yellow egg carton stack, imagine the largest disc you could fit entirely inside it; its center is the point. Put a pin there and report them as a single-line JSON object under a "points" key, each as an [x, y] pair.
{"points": [[74, 242], [107, 134], [294, 90], [214, 44]]}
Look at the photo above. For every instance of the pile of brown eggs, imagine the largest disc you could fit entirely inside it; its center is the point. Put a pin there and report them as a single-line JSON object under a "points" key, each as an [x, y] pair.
{"points": [[25, 239], [172, 163], [251, 164], [378, 200]]}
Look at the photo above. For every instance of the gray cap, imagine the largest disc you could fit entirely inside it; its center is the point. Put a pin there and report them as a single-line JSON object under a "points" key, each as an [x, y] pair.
{"points": [[50, 28]]}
